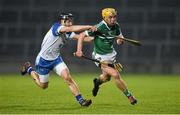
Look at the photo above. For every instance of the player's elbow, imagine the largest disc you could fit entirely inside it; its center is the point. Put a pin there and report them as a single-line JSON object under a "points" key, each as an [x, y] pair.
{"points": [[88, 39], [69, 29], [81, 36]]}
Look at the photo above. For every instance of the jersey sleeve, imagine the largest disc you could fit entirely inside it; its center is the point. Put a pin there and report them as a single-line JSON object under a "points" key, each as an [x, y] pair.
{"points": [[56, 29], [119, 32], [90, 33]]}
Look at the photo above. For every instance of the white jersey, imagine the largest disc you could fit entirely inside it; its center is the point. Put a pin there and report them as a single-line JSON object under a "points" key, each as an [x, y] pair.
{"points": [[53, 42]]}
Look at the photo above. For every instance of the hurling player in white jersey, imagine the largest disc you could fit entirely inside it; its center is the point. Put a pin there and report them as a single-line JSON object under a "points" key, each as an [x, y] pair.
{"points": [[49, 57]]}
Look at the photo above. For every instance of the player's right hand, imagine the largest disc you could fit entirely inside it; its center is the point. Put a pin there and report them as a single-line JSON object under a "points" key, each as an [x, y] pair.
{"points": [[120, 41], [78, 53]]}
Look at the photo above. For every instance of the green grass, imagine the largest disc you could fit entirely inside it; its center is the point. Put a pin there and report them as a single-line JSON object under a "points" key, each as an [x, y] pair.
{"points": [[156, 94]]}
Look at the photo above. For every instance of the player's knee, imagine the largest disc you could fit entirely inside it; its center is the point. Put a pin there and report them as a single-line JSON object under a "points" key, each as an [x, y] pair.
{"points": [[108, 78], [115, 75], [68, 79]]}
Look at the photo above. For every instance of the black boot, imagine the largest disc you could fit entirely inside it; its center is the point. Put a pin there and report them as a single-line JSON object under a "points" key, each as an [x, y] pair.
{"points": [[25, 67], [86, 103]]}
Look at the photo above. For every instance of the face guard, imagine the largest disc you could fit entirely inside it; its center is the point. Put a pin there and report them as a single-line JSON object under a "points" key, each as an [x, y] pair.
{"points": [[66, 16]]}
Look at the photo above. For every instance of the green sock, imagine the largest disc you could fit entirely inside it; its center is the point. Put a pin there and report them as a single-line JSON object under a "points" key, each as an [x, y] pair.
{"points": [[127, 93]]}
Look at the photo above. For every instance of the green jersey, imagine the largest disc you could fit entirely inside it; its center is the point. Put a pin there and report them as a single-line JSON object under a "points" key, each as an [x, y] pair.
{"points": [[103, 42]]}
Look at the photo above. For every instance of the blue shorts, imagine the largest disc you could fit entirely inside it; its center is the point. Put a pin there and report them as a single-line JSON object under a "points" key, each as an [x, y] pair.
{"points": [[43, 67]]}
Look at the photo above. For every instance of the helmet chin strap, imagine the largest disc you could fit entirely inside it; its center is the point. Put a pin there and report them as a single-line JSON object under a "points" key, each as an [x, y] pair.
{"points": [[65, 20]]}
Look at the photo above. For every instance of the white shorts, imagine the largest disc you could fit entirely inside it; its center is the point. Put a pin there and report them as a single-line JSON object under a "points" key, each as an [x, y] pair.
{"points": [[58, 69], [110, 57]]}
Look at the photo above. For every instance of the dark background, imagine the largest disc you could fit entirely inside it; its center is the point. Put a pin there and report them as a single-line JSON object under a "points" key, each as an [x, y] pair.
{"points": [[156, 23]]}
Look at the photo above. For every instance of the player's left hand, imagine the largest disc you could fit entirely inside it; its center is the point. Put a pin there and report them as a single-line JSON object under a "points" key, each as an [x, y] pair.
{"points": [[120, 41], [93, 29]]}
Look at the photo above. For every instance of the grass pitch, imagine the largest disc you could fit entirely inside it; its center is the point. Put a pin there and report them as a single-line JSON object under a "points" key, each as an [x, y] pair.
{"points": [[156, 94]]}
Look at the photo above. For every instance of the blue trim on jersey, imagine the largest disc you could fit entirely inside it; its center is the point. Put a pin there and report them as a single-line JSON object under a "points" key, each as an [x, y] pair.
{"points": [[69, 34], [55, 27], [45, 66]]}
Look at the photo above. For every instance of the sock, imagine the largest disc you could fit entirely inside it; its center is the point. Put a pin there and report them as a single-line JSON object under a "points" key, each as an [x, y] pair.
{"points": [[127, 93], [79, 98], [29, 70], [99, 81]]}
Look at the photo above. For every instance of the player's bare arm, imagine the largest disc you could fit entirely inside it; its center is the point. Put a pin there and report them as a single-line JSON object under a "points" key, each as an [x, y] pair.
{"points": [[88, 39], [85, 39], [67, 25], [75, 28], [79, 52]]}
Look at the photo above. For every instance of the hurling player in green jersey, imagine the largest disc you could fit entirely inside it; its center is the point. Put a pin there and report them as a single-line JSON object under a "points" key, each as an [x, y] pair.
{"points": [[104, 51]]}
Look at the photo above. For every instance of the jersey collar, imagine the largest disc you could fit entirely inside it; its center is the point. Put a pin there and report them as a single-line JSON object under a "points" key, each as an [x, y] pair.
{"points": [[106, 24]]}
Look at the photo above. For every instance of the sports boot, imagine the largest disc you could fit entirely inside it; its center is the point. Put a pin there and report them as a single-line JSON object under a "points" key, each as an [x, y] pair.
{"points": [[96, 87], [132, 100], [86, 103], [25, 67]]}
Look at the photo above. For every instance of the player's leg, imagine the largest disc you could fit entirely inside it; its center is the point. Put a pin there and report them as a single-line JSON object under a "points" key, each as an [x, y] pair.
{"points": [[27, 68], [98, 81], [62, 70], [119, 83], [104, 77], [40, 80]]}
